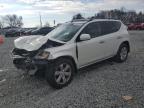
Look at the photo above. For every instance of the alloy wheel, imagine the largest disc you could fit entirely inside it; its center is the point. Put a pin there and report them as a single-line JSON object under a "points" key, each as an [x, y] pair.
{"points": [[63, 73], [123, 53]]}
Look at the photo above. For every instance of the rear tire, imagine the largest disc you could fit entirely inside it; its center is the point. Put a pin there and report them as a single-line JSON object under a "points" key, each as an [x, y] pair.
{"points": [[61, 73], [122, 53]]}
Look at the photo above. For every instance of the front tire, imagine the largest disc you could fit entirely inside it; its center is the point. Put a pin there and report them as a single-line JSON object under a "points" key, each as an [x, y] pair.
{"points": [[122, 53], [61, 73]]}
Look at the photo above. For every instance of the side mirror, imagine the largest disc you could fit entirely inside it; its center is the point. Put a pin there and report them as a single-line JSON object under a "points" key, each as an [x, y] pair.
{"points": [[84, 37]]}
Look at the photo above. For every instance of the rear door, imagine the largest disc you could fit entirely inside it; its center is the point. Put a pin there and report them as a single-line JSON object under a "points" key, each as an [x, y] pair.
{"points": [[103, 43], [110, 35]]}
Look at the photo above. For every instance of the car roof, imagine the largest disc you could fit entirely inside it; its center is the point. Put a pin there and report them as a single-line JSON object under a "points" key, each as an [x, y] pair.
{"points": [[96, 20], [83, 21]]}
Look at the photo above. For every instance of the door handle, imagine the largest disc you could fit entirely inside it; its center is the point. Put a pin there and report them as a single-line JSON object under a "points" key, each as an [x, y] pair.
{"points": [[119, 37], [101, 42]]}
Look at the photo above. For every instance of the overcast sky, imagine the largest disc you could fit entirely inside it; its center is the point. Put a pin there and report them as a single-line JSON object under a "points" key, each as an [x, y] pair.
{"points": [[62, 10]]}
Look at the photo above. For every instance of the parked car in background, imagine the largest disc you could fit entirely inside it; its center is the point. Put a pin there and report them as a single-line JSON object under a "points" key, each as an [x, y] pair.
{"points": [[42, 31], [1, 39], [71, 46], [4, 30], [28, 32], [33, 32], [20, 31], [142, 26], [1, 31], [136, 26], [131, 26], [13, 32]]}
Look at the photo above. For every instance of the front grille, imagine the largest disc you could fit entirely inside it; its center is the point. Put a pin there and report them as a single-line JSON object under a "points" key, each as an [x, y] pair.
{"points": [[17, 51], [20, 52], [24, 53]]}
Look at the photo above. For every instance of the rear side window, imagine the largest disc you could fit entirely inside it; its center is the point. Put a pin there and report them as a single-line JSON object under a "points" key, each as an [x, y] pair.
{"points": [[108, 27]]}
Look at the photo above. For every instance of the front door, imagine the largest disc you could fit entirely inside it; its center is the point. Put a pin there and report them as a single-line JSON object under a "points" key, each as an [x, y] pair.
{"points": [[93, 49]]}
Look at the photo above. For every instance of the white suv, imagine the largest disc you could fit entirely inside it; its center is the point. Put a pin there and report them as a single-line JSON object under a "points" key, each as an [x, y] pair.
{"points": [[71, 46]]}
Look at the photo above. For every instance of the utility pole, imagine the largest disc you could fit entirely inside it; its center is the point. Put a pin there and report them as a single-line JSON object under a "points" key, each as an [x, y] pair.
{"points": [[54, 22], [40, 20]]}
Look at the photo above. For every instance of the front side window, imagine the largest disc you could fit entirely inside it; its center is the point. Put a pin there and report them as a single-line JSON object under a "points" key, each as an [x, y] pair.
{"points": [[92, 29], [65, 32]]}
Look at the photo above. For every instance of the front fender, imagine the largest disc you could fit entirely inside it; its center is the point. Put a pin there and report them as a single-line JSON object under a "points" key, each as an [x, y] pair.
{"points": [[63, 51]]}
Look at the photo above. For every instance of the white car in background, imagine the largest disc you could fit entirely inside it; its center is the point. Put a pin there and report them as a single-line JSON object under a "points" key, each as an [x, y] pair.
{"points": [[71, 46]]}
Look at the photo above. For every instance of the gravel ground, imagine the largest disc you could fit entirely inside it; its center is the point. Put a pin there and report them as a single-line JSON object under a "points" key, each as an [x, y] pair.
{"points": [[101, 85]]}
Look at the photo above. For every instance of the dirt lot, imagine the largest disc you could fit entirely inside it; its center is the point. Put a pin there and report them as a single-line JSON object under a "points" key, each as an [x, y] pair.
{"points": [[98, 86]]}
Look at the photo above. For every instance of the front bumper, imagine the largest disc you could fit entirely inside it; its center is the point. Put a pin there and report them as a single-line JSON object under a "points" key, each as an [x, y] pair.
{"points": [[30, 65]]}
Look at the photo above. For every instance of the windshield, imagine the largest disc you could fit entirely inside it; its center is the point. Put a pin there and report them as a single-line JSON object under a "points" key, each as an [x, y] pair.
{"points": [[64, 32]]}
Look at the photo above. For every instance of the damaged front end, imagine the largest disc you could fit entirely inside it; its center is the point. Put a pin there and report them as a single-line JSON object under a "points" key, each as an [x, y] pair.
{"points": [[28, 60], [23, 60]]}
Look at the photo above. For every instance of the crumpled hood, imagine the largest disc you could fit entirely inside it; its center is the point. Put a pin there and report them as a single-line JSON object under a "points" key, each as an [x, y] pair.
{"points": [[30, 43]]}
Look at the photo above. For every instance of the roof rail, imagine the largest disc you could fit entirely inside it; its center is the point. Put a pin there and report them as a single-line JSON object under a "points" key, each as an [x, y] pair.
{"points": [[92, 18], [76, 20], [89, 19]]}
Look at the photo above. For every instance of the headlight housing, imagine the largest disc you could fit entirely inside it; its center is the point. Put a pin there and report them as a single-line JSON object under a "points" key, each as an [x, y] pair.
{"points": [[42, 55]]}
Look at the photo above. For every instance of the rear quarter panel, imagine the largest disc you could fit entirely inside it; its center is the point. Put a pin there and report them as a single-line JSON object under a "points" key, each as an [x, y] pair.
{"points": [[125, 36]]}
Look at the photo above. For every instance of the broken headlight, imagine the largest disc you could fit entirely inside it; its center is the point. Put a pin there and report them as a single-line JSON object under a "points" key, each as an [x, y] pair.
{"points": [[42, 55]]}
